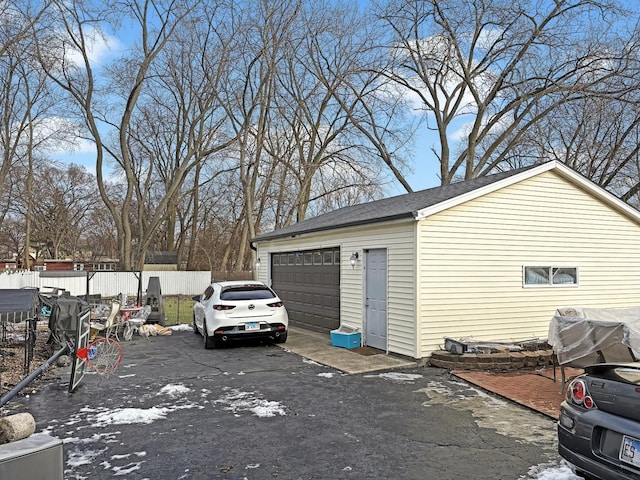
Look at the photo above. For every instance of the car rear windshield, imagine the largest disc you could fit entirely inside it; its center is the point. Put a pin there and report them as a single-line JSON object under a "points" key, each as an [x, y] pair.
{"points": [[628, 375], [617, 373], [246, 293]]}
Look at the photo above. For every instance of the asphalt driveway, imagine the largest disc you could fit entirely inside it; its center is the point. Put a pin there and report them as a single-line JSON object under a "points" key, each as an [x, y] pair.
{"points": [[174, 410]]}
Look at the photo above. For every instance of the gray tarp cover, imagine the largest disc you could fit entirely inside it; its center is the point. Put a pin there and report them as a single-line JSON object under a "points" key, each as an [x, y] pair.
{"points": [[579, 333], [17, 300], [64, 319]]}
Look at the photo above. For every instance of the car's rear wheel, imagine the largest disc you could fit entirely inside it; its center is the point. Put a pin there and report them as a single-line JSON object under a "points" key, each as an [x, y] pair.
{"points": [[209, 342], [281, 338]]}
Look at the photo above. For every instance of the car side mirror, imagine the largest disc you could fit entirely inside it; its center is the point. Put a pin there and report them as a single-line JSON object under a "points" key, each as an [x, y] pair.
{"points": [[196, 298]]}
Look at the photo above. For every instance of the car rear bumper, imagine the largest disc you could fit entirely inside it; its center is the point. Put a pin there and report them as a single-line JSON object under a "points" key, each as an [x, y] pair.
{"points": [[591, 466], [237, 332], [586, 445]]}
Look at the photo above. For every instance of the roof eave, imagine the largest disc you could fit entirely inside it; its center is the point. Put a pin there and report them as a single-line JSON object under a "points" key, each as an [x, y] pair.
{"points": [[268, 237], [479, 192], [560, 168]]}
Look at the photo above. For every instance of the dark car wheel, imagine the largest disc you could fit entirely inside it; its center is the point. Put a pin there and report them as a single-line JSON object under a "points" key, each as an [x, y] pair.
{"points": [[195, 328], [281, 338], [209, 342]]}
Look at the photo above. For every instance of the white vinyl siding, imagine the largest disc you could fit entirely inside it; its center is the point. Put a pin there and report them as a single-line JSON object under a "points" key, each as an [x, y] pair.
{"points": [[399, 240], [472, 257]]}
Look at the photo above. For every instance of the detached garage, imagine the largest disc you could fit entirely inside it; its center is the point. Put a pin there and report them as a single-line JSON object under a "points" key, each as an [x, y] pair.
{"points": [[491, 258]]}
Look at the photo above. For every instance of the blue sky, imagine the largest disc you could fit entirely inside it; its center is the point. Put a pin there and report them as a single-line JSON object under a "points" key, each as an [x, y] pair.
{"points": [[423, 161]]}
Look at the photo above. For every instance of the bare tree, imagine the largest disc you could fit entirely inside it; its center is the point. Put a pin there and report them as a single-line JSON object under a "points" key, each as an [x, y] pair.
{"points": [[312, 133], [58, 208], [28, 127], [179, 126], [18, 20], [485, 72], [113, 109]]}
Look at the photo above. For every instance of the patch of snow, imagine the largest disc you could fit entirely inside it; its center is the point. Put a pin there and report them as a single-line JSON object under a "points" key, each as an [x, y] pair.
{"points": [[174, 390], [492, 412], [127, 376], [79, 457], [96, 437], [547, 472], [183, 327], [127, 455], [132, 467], [326, 375], [251, 466], [396, 376], [311, 362], [69, 475], [121, 416], [239, 401]]}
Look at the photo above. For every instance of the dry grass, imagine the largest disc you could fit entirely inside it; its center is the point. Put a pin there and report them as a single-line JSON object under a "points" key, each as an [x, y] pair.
{"points": [[178, 309], [12, 358]]}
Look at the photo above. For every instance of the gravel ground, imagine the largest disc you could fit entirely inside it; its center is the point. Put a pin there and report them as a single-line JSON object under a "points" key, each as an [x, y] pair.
{"points": [[12, 358]]}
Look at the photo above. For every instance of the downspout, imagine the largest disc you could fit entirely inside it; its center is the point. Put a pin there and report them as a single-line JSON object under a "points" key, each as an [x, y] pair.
{"points": [[254, 260]]}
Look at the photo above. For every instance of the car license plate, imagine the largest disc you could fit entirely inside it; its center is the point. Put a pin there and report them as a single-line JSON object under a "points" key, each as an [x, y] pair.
{"points": [[630, 450], [252, 326]]}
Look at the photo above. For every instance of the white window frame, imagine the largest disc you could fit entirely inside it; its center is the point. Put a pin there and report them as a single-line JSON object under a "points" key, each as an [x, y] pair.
{"points": [[550, 268]]}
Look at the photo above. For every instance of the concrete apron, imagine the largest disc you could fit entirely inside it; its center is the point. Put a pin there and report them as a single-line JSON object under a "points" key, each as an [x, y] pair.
{"points": [[317, 347]]}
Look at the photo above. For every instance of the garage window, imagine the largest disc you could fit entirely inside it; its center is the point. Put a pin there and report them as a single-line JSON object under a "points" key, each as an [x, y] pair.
{"points": [[549, 276]]}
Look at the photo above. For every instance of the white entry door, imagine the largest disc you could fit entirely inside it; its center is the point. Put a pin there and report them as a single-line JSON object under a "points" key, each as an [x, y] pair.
{"points": [[376, 298]]}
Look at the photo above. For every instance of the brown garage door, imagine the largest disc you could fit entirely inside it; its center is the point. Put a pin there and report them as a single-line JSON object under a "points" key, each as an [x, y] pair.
{"points": [[308, 282]]}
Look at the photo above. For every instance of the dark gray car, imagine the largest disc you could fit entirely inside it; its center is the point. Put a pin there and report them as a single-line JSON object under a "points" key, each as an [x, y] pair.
{"points": [[599, 426]]}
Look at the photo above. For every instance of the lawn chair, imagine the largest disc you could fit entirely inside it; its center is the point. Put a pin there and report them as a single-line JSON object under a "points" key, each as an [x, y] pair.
{"points": [[136, 321], [109, 325]]}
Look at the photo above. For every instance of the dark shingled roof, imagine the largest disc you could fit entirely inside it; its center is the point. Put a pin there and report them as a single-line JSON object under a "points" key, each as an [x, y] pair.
{"points": [[401, 206], [161, 257]]}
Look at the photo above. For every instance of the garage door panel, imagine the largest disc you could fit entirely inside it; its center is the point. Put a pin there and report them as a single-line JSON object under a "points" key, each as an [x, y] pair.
{"points": [[310, 290]]}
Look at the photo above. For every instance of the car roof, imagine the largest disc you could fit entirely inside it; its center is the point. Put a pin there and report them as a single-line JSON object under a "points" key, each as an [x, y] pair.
{"points": [[238, 283]]}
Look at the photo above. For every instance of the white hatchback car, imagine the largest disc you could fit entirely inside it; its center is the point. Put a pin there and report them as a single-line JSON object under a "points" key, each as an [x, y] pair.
{"points": [[239, 310]]}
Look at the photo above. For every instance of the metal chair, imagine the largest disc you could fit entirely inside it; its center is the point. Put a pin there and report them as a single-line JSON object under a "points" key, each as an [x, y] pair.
{"points": [[110, 324]]}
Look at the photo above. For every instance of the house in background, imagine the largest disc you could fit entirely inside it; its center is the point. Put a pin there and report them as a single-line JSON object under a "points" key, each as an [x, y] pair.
{"points": [[491, 258], [161, 260]]}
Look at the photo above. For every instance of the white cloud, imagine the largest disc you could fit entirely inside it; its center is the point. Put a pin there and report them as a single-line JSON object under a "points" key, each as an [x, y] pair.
{"points": [[100, 47]]}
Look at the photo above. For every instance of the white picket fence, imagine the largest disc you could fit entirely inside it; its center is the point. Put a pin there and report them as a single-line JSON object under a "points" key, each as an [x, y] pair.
{"points": [[108, 284]]}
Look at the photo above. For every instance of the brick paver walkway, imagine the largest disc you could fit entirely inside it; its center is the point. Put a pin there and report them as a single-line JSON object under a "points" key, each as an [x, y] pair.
{"points": [[533, 389]]}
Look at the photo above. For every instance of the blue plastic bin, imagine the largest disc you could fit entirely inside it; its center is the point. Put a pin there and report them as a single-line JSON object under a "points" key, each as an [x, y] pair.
{"points": [[345, 339]]}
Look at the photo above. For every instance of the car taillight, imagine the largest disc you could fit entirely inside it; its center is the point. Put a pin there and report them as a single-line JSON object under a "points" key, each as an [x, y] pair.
{"points": [[274, 304], [579, 394], [223, 307], [578, 391]]}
